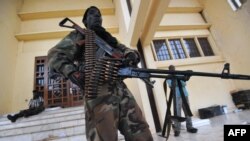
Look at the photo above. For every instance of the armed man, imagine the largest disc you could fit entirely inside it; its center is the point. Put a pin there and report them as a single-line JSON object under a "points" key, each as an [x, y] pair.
{"points": [[36, 106], [109, 105]]}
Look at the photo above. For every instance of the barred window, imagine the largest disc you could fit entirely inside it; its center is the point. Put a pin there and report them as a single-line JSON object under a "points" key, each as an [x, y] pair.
{"points": [[205, 46], [191, 47], [161, 50], [181, 48], [177, 49]]}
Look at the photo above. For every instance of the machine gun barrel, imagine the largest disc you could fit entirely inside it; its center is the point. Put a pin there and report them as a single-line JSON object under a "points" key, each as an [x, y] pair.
{"points": [[159, 73]]}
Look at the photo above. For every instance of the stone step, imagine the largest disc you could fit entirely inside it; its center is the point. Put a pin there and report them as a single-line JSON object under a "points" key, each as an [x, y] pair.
{"points": [[58, 124], [48, 134], [42, 121], [44, 115], [48, 111], [76, 133], [79, 137], [41, 128]]}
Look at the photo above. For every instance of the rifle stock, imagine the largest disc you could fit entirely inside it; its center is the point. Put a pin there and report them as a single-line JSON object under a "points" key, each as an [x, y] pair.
{"points": [[68, 23]]}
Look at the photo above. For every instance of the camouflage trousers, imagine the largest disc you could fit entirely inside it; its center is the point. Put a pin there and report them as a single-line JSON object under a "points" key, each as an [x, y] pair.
{"points": [[115, 109]]}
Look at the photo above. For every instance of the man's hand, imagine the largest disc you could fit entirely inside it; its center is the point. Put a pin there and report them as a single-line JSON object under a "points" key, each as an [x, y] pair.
{"points": [[77, 78], [132, 58]]}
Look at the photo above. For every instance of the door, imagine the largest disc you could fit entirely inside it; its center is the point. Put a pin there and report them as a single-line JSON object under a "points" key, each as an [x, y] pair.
{"points": [[56, 92]]}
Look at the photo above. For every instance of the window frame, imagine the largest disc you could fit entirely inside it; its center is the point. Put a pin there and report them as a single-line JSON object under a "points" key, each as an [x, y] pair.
{"points": [[181, 38]]}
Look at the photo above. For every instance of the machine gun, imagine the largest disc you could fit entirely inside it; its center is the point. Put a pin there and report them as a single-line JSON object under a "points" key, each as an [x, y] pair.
{"points": [[130, 72], [176, 77]]}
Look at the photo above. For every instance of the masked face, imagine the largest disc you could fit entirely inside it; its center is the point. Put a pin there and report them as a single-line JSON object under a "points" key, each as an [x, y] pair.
{"points": [[93, 18]]}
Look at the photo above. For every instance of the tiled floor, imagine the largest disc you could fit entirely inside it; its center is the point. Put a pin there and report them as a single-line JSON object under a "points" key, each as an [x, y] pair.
{"points": [[213, 131]]}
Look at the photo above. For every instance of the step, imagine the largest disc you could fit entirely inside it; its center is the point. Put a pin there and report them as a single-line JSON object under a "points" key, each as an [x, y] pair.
{"points": [[43, 115], [76, 137], [48, 134], [49, 111], [79, 137], [76, 133], [72, 138], [41, 128], [52, 124], [29, 123]]}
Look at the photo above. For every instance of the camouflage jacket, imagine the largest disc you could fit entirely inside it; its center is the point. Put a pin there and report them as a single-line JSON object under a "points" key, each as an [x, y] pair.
{"points": [[62, 56]]}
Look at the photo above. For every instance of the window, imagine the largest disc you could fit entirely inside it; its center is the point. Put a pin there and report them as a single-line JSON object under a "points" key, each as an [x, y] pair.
{"points": [[177, 49], [206, 48], [191, 47], [236, 4], [181, 48], [161, 50]]}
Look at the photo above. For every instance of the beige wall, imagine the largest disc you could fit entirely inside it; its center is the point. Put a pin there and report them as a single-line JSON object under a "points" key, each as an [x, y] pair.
{"points": [[184, 3], [9, 25], [55, 5], [231, 32]]}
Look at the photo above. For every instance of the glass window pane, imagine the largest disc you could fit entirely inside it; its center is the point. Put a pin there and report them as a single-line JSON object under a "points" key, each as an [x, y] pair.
{"points": [[206, 48], [177, 49], [191, 47], [161, 50]]}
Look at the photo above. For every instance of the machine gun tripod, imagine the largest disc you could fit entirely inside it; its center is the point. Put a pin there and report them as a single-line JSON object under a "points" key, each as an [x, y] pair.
{"points": [[175, 81]]}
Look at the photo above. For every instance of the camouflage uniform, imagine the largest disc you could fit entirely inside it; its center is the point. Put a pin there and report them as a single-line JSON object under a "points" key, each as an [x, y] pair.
{"points": [[115, 108], [36, 106]]}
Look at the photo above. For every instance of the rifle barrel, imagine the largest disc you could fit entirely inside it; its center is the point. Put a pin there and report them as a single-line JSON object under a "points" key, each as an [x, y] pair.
{"points": [[159, 73]]}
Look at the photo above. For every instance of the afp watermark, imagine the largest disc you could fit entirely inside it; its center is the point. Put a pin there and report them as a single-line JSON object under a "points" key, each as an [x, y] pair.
{"points": [[241, 132]]}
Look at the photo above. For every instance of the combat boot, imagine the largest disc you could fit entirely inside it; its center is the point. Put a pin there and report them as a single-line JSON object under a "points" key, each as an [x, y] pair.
{"points": [[192, 130], [176, 133], [11, 118]]}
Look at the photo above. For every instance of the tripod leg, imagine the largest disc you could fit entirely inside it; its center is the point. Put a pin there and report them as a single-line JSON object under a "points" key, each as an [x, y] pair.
{"points": [[184, 101], [167, 121], [177, 115]]}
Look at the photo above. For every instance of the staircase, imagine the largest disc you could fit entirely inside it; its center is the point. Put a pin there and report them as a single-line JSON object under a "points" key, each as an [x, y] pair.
{"points": [[53, 124]]}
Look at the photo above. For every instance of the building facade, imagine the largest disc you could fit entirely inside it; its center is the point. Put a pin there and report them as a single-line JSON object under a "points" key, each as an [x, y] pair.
{"points": [[198, 35]]}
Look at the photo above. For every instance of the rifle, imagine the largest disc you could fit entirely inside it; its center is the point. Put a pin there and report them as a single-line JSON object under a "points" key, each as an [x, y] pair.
{"points": [[115, 53], [144, 74]]}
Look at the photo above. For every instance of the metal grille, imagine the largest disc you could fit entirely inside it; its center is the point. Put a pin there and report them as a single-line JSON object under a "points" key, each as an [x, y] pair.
{"points": [[177, 49], [191, 47], [205, 46], [161, 50]]}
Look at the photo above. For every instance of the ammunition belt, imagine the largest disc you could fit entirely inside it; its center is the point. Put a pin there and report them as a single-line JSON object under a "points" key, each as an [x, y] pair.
{"points": [[97, 71], [89, 57]]}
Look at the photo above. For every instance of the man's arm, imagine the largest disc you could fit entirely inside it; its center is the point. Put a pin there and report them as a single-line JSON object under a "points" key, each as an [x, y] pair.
{"points": [[61, 56]]}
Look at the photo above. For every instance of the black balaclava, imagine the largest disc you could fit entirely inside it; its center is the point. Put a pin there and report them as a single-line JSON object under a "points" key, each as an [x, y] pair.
{"points": [[100, 31]]}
